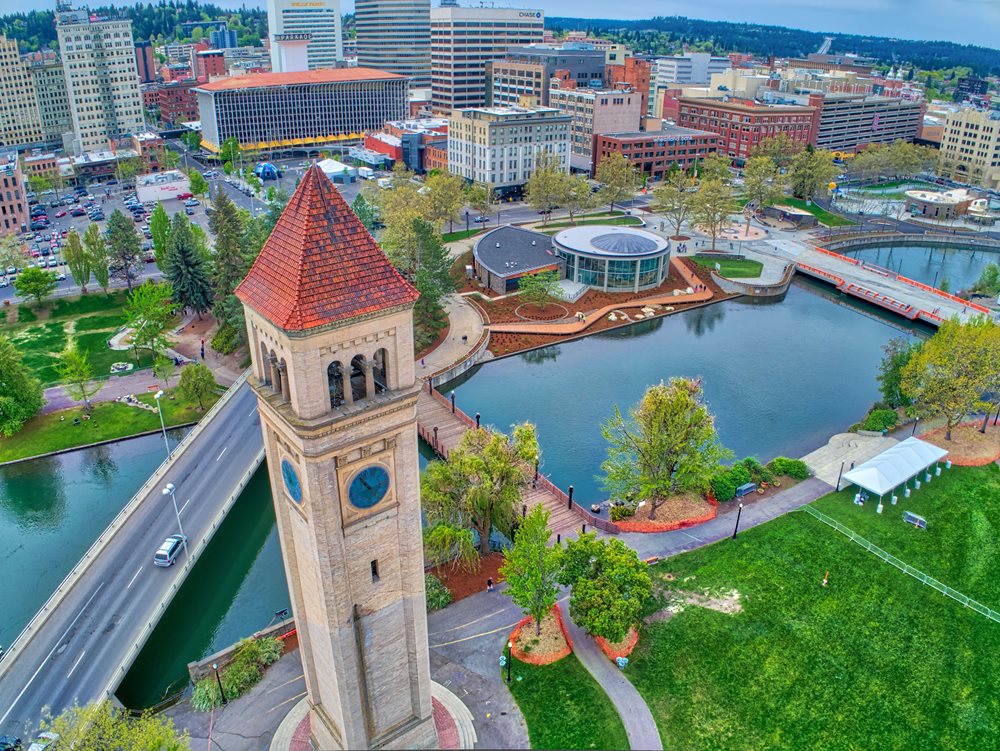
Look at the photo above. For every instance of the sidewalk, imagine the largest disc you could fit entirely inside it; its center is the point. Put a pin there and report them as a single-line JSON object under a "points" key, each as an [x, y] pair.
{"points": [[113, 387], [465, 321]]}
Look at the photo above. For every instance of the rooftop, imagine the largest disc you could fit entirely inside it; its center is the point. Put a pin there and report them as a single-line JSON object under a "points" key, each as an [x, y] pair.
{"points": [[611, 242], [320, 265], [512, 251], [323, 75], [667, 132]]}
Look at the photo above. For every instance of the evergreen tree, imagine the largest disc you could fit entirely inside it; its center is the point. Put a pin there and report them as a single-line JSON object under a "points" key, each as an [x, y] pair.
{"points": [[364, 211], [228, 264], [433, 280], [186, 268]]}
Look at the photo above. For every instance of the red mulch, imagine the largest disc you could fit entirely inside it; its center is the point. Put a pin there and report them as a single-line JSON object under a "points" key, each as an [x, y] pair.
{"points": [[685, 512], [436, 343], [461, 583], [622, 649], [540, 658], [549, 313]]}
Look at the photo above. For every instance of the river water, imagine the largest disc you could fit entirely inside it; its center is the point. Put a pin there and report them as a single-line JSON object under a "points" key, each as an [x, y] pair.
{"points": [[931, 265]]}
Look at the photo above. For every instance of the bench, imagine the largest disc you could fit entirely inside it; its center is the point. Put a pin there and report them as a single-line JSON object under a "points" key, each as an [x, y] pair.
{"points": [[917, 521]]}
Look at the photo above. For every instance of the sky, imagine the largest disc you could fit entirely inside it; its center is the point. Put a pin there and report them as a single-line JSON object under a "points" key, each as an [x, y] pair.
{"points": [[963, 21]]}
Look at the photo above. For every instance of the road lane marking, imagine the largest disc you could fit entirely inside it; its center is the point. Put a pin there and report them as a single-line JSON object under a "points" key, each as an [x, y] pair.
{"points": [[134, 578], [78, 659], [297, 696], [220, 455], [299, 677], [501, 611], [474, 636], [250, 413], [184, 506], [49, 655]]}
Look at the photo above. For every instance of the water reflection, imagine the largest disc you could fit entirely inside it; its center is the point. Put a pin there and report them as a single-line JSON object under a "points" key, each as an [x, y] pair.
{"points": [[703, 320], [101, 464], [33, 494], [543, 354]]}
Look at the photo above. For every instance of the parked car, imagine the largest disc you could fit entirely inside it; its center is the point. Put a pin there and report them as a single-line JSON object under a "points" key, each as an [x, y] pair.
{"points": [[112, 181], [189, 210], [481, 219], [10, 743], [192, 202], [60, 214], [169, 551], [38, 224], [78, 211], [184, 196], [210, 173]]}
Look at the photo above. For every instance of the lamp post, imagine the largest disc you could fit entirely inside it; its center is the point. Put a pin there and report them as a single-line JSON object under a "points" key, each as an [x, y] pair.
{"points": [[169, 490], [739, 512], [915, 421], [158, 395], [215, 667], [510, 645]]}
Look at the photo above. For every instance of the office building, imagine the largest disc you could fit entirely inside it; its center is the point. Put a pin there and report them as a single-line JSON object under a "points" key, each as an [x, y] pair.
{"points": [[595, 112], [13, 202], [53, 102], [102, 82], [634, 73], [691, 68], [269, 111], [498, 146], [223, 39], [20, 124], [395, 35], [408, 140], [742, 124], [463, 40], [523, 75], [654, 153], [145, 62], [177, 103], [970, 148], [318, 18], [210, 64]]}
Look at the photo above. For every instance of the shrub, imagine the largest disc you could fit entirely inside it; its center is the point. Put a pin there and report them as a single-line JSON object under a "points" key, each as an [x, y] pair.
{"points": [[622, 511], [240, 675], [226, 340], [723, 486], [794, 468], [740, 474], [436, 593], [880, 419], [25, 314], [758, 472]]}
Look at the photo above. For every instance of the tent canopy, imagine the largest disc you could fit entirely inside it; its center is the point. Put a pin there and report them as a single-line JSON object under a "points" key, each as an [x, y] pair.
{"points": [[895, 465]]}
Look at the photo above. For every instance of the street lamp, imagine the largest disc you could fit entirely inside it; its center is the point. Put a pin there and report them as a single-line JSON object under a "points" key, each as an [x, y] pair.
{"points": [[169, 490], [739, 512], [510, 645], [215, 667], [159, 395]]}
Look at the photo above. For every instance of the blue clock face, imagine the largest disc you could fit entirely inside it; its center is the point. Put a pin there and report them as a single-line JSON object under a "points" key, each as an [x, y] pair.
{"points": [[369, 486], [291, 479]]}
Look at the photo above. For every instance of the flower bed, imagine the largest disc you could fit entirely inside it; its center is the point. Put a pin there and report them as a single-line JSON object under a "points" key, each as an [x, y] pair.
{"points": [[634, 524], [621, 649], [535, 658]]}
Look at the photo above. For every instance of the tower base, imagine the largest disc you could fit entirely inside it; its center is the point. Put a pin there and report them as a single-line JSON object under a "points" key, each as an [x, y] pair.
{"points": [[418, 734]]}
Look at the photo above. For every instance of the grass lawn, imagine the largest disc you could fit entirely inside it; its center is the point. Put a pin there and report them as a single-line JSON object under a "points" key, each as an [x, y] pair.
{"points": [[617, 221], [564, 707], [735, 268], [909, 184], [874, 660], [450, 237], [108, 420], [825, 217]]}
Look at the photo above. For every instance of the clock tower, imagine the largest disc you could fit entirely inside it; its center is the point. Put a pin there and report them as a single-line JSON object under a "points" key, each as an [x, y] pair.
{"points": [[330, 329]]}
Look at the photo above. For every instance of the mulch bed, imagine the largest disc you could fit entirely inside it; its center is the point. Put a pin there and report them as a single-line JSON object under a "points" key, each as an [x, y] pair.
{"points": [[624, 648], [676, 513], [968, 447], [551, 312], [550, 646], [442, 335], [461, 583]]}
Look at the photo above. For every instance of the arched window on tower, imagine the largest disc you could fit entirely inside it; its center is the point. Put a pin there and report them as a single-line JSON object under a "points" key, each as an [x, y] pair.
{"points": [[335, 381], [358, 388], [265, 365], [381, 371]]}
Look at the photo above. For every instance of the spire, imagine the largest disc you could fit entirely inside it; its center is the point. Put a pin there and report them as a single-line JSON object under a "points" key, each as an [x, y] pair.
{"points": [[320, 265]]}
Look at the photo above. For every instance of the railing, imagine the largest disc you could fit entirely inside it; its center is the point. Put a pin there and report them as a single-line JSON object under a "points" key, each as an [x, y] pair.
{"points": [[813, 271], [905, 567], [467, 362], [109, 532]]}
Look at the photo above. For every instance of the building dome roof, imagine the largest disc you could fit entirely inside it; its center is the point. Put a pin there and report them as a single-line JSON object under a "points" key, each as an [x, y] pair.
{"points": [[620, 243]]}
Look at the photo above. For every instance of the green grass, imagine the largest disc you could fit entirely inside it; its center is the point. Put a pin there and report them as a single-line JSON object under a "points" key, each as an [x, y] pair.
{"points": [[39, 344], [89, 303], [95, 344], [734, 268], [825, 217], [917, 185], [450, 237], [102, 322], [564, 707], [874, 660], [615, 221], [109, 420]]}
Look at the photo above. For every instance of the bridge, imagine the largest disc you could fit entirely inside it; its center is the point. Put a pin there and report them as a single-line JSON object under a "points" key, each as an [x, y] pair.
{"points": [[79, 646]]}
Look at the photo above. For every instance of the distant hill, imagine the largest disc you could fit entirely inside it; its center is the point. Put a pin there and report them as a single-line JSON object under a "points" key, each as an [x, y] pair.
{"points": [[664, 35]]}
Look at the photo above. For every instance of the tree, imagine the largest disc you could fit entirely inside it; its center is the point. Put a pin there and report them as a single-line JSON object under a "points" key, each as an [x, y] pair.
{"points": [[97, 727], [479, 485], [443, 199], [549, 183], [191, 139], [128, 168], [532, 568], [227, 168], [364, 211], [124, 251], [618, 179], [76, 374], [539, 289], [159, 228], [714, 167], [480, 197], [229, 265], [761, 183], [897, 353], [579, 197], [197, 384], [399, 207], [163, 368], [673, 199], [77, 260], [948, 376], [20, 392], [989, 280], [610, 585], [711, 206], [668, 445], [811, 170], [199, 186], [229, 151], [147, 312], [11, 252], [97, 255], [39, 183], [35, 282], [433, 281], [780, 148], [185, 268]]}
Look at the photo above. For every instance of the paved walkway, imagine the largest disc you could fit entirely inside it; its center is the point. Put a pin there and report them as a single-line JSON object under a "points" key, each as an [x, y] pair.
{"points": [[465, 321], [113, 387]]}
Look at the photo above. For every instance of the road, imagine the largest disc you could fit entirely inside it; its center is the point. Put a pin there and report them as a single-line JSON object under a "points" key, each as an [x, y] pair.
{"points": [[75, 654]]}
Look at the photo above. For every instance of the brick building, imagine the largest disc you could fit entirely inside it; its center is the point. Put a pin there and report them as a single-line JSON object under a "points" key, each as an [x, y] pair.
{"points": [[595, 112], [653, 153], [13, 203], [633, 73], [210, 64], [177, 102]]}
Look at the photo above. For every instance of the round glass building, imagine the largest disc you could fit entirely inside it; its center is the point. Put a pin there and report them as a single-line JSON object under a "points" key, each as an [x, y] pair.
{"points": [[614, 259]]}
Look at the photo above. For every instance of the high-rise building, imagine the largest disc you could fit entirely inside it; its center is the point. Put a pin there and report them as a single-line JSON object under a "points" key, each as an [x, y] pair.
{"points": [[102, 82], [499, 146], [596, 112], [19, 120], [223, 39], [145, 61], [395, 35], [523, 75], [692, 68], [13, 202], [850, 121], [633, 73], [970, 148], [53, 101], [463, 40], [318, 18]]}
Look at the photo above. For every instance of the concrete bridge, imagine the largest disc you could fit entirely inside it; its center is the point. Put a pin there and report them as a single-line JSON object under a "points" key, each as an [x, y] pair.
{"points": [[79, 646]]}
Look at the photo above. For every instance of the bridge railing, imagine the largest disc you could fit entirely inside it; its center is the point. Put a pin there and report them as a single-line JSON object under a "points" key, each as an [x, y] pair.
{"points": [[109, 532]]}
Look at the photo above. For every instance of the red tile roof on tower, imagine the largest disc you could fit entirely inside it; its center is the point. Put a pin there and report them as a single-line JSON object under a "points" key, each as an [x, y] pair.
{"points": [[320, 265]]}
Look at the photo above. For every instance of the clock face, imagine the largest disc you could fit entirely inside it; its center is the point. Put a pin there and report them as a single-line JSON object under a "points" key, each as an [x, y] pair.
{"points": [[291, 479], [369, 486]]}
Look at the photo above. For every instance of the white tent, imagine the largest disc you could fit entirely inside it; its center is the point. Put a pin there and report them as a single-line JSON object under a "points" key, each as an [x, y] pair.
{"points": [[895, 466]]}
